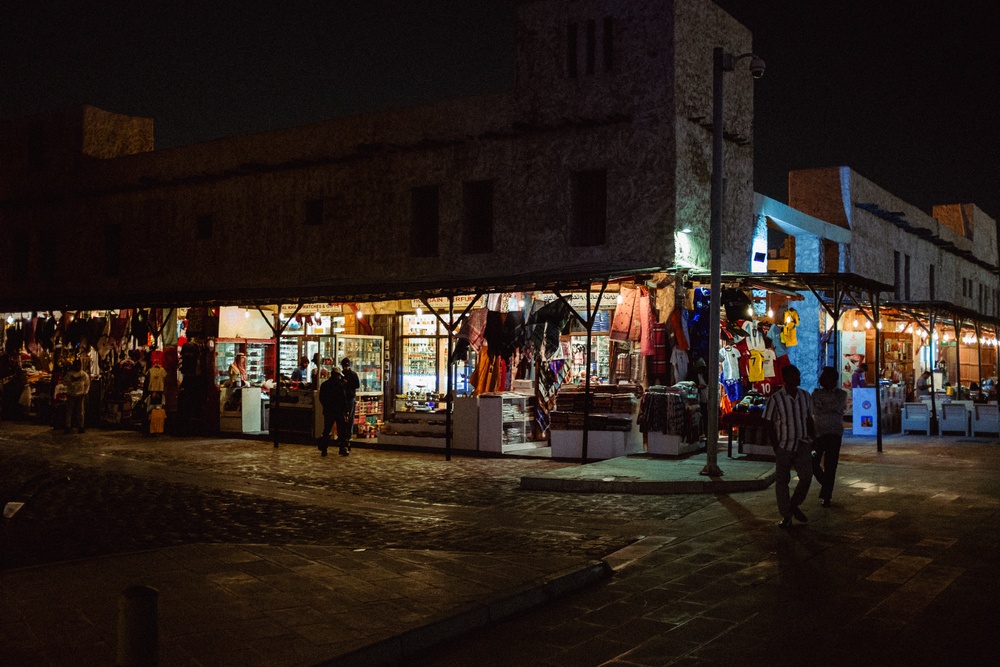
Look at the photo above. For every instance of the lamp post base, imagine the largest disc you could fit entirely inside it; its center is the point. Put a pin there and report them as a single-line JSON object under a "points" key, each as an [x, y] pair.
{"points": [[711, 470]]}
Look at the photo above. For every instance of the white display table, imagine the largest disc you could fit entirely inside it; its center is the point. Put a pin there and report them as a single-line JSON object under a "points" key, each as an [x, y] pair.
{"points": [[670, 445], [568, 444], [246, 417]]}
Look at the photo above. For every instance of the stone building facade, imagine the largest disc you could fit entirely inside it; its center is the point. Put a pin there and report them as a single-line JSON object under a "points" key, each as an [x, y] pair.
{"points": [[585, 169]]}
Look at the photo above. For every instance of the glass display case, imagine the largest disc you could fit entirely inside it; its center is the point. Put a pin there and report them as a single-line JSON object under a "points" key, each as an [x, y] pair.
{"points": [[366, 354], [600, 366], [257, 358]]}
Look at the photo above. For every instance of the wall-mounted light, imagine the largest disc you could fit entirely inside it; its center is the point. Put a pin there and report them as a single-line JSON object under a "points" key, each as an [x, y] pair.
{"points": [[868, 324], [880, 325], [685, 230], [420, 311], [770, 312], [360, 314]]}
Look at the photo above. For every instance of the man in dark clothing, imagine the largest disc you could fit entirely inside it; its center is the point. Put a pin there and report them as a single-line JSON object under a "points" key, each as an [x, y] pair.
{"points": [[351, 385], [333, 398]]}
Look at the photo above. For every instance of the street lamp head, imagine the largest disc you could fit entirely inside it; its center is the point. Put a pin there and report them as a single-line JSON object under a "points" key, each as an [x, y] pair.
{"points": [[757, 67]]}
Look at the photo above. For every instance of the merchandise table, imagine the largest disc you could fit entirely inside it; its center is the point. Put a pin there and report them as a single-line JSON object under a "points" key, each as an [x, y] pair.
{"points": [[742, 422]]}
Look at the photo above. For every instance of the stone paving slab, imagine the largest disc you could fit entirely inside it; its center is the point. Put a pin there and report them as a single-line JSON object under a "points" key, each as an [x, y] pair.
{"points": [[275, 605], [652, 475]]}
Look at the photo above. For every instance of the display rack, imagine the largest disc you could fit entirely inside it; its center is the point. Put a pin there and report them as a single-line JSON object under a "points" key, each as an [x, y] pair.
{"points": [[506, 421], [897, 357]]}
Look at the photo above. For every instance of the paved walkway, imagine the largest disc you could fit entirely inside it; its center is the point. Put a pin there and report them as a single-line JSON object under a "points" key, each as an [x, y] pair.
{"points": [[901, 569]]}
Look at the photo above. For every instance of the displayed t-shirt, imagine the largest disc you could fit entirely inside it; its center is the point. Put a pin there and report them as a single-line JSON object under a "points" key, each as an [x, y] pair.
{"points": [[755, 339], [729, 357], [755, 366], [679, 364], [774, 335], [769, 358], [788, 336], [157, 378]]}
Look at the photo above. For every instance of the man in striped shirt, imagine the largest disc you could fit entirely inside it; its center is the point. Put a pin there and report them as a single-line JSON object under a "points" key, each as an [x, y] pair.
{"points": [[790, 412]]}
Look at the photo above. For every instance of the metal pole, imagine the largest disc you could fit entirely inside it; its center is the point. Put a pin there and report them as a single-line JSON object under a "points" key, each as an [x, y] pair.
{"points": [[715, 243], [449, 400], [586, 385], [931, 357], [878, 372], [275, 396]]}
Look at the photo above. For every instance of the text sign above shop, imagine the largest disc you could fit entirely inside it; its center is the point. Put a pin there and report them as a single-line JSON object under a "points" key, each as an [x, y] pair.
{"points": [[313, 308], [441, 302], [578, 300]]}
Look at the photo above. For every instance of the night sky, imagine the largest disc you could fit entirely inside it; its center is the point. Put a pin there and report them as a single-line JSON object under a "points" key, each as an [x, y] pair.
{"points": [[905, 99]]}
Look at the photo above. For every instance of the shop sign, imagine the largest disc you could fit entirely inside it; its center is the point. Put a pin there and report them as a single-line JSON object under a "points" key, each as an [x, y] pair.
{"points": [[441, 302], [313, 308], [578, 300]]}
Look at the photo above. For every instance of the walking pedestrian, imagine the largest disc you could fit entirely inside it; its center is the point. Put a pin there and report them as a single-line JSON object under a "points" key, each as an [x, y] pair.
{"points": [[77, 383], [789, 411], [829, 405], [333, 398], [351, 385]]}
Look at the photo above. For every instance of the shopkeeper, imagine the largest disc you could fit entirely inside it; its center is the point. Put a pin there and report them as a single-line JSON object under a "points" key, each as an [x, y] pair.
{"points": [[238, 371], [300, 373]]}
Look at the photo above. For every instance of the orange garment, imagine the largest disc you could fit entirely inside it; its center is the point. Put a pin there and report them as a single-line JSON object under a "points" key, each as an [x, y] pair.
{"points": [[157, 416]]}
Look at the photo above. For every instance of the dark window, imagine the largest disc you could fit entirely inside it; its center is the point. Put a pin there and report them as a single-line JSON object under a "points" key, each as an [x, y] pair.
{"points": [[426, 218], [314, 212], [112, 251], [906, 276], [478, 233], [895, 274], [965, 287], [571, 50], [591, 46], [204, 226], [930, 281], [36, 147], [981, 297], [609, 44], [20, 263], [590, 208]]}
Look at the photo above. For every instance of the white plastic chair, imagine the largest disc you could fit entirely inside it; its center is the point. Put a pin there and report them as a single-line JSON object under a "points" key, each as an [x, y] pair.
{"points": [[986, 419], [954, 417], [916, 417]]}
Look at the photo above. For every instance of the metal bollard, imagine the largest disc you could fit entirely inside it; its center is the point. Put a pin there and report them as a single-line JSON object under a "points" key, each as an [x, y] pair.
{"points": [[138, 631]]}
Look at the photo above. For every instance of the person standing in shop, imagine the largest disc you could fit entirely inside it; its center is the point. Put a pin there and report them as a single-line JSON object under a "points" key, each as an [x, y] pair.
{"points": [[299, 374], [333, 398], [351, 385], [829, 405], [790, 414], [859, 376], [924, 384], [77, 383]]}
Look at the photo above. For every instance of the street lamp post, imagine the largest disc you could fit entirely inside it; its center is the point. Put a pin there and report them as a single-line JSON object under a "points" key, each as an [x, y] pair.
{"points": [[722, 62]]}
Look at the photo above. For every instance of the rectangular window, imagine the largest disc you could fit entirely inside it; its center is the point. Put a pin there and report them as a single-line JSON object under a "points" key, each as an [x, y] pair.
{"points": [[930, 282], [896, 283], [589, 208], [426, 220], [477, 198], [22, 251], [314, 212], [981, 300], [591, 45], [112, 250], [204, 227], [906, 277], [36, 147], [571, 48], [609, 44]]}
